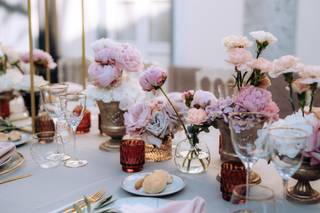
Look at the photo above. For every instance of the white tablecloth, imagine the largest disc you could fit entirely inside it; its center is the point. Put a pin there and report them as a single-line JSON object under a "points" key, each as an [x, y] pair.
{"points": [[49, 189]]}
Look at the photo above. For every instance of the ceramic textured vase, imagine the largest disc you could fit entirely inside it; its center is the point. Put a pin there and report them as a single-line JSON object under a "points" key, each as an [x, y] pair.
{"points": [[192, 159], [302, 192], [112, 124], [5, 98], [226, 151], [27, 101], [158, 154]]}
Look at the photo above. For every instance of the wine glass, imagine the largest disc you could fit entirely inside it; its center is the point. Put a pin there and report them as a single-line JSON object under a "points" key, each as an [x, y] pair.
{"points": [[73, 106], [260, 200], [50, 101], [43, 149], [244, 127], [287, 146]]}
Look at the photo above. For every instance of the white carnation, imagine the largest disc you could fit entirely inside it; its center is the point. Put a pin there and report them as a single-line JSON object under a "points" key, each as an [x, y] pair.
{"points": [[24, 83], [262, 36], [233, 41]]}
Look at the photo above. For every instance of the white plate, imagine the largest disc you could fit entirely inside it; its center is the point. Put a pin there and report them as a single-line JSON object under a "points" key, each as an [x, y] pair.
{"points": [[25, 137], [128, 185], [6, 161], [145, 201]]}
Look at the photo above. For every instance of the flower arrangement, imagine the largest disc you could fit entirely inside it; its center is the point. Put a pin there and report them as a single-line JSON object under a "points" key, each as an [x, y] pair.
{"points": [[112, 73], [10, 71], [42, 61]]}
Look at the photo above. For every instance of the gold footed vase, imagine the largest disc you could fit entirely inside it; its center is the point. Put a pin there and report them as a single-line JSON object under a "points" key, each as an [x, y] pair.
{"points": [[163, 153], [302, 192], [227, 153], [112, 124]]}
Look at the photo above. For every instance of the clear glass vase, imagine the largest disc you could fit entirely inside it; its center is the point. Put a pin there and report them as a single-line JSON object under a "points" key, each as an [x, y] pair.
{"points": [[192, 158]]}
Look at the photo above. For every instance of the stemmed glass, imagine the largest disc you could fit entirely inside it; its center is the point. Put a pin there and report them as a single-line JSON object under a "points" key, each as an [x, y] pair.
{"points": [[261, 199], [287, 146], [244, 127], [73, 106], [50, 101]]}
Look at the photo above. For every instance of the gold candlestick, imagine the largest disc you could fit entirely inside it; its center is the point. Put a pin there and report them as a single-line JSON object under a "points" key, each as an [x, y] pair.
{"points": [[84, 71], [33, 112], [46, 34]]}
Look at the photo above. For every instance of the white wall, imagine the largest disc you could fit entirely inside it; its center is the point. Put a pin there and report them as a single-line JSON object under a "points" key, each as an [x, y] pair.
{"points": [[199, 26], [308, 32]]}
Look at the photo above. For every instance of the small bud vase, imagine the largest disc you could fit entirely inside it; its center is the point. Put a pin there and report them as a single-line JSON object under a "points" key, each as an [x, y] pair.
{"points": [[192, 158]]}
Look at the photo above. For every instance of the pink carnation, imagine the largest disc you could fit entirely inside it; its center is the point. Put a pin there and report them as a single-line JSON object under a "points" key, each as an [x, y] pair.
{"points": [[129, 58], [238, 56], [103, 75], [202, 99], [284, 64], [261, 64], [152, 78], [137, 117], [197, 116], [40, 58], [256, 99]]}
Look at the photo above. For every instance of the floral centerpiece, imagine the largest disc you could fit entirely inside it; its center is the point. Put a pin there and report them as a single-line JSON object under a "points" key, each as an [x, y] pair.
{"points": [[177, 109], [113, 75], [42, 63], [10, 74]]}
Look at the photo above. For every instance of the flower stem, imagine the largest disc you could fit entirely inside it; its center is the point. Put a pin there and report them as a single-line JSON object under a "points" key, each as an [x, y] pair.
{"points": [[291, 97], [176, 112], [313, 90]]}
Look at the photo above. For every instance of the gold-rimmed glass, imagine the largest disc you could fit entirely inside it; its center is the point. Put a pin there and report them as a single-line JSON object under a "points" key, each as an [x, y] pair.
{"points": [[260, 200], [287, 146]]}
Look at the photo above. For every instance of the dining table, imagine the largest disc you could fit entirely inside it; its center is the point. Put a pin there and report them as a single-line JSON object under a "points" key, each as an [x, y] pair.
{"points": [[47, 190]]}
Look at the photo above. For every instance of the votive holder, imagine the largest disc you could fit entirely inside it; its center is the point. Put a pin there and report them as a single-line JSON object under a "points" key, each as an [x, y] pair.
{"points": [[85, 124], [132, 155], [232, 175]]}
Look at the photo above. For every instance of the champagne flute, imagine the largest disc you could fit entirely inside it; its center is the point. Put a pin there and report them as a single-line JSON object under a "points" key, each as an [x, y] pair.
{"points": [[73, 106], [287, 145], [244, 127], [50, 101]]}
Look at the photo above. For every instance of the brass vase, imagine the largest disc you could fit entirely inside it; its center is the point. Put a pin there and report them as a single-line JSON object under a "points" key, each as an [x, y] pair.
{"points": [[302, 192], [163, 153], [112, 124], [227, 153]]}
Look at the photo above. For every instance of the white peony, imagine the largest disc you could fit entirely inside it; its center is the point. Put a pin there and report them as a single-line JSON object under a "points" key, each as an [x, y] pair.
{"points": [[12, 56], [24, 83], [128, 92], [9, 79], [233, 41], [262, 36]]}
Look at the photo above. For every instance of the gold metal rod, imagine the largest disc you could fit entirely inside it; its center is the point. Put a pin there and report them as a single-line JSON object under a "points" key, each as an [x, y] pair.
{"points": [[46, 34], [15, 178], [33, 105], [84, 71]]}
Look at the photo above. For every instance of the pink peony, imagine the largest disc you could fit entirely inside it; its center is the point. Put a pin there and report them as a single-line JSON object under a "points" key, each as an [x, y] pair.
{"points": [[105, 56], [202, 99], [261, 64], [129, 58], [197, 116], [256, 99], [152, 78], [238, 56], [40, 58], [137, 117], [103, 75]]}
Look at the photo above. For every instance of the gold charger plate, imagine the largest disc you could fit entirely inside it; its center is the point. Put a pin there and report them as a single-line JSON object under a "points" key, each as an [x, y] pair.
{"points": [[15, 162]]}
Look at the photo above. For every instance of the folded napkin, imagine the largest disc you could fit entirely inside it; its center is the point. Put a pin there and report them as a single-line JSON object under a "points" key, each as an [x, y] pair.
{"points": [[187, 206], [7, 149]]}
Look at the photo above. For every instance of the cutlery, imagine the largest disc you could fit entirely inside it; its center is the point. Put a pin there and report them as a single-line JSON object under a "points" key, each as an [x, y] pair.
{"points": [[81, 203], [15, 178]]}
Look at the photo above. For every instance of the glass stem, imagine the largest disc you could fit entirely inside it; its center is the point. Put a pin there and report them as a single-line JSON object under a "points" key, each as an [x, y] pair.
{"points": [[285, 186], [75, 154], [247, 183]]}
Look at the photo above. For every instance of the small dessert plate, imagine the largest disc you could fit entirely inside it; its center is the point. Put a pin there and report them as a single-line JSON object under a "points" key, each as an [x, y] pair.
{"points": [[128, 185]]}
